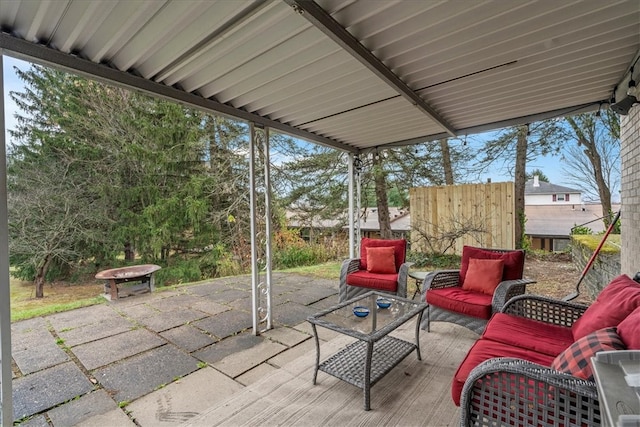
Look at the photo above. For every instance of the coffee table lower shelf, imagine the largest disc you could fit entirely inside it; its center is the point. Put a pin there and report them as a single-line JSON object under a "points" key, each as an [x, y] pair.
{"points": [[349, 363]]}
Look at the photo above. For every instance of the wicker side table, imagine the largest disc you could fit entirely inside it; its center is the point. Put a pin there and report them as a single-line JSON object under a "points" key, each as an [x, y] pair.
{"points": [[365, 361]]}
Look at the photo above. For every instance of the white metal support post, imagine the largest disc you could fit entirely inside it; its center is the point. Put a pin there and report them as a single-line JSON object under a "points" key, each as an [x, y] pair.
{"points": [[260, 228], [354, 171], [6, 404], [352, 238], [358, 171]]}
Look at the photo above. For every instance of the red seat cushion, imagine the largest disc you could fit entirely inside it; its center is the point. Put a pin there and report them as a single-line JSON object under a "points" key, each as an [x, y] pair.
{"points": [[487, 349], [526, 333], [513, 262], [364, 279], [399, 250], [615, 302], [456, 299], [629, 330]]}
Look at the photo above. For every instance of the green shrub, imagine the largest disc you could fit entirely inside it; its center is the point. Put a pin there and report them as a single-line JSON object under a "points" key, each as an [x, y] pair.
{"points": [[581, 230], [435, 261]]}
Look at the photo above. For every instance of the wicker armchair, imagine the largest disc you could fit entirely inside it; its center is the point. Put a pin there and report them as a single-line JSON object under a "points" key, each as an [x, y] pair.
{"points": [[355, 280], [443, 279], [507, 391]]}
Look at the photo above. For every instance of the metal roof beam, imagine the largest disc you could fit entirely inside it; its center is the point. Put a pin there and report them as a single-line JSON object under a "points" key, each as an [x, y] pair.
{"points": [[317, 16], [568, 111], [46, 56]]}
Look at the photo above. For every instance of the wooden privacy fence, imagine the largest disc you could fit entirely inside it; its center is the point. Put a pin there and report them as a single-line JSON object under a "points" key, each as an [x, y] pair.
{"points": [[445, 218]]}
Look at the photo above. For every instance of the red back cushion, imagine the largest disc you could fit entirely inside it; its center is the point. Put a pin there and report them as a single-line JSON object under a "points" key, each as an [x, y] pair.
{"points": [[483, 275], [381, 260], [399, 245], [629, 330], [616, 301], [513, 262], [576, 360]]}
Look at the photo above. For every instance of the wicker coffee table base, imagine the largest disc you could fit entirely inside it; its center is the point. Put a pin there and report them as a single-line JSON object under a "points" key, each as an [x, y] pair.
{"points": [[363, 363]]}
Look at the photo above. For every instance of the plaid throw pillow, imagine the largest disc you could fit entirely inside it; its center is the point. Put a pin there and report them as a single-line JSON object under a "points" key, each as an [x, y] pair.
{"points": [[576, 360]]}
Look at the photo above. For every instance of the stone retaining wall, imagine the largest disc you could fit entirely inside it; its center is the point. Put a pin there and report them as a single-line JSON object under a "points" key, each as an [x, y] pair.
{"points": [[605, 267]]}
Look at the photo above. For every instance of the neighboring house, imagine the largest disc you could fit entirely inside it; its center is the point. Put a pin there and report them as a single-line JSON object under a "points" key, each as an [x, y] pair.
{"points": [[400, 223], [538, 192], [549, 226], [313, 226], [551, 211]]}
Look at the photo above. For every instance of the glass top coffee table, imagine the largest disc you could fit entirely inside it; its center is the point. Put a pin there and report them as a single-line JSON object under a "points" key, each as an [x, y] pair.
{"points": [[365, 361]]}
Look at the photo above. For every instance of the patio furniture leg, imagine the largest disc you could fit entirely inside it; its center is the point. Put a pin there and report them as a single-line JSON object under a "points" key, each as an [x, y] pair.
{"points": [[418, 335], [367, 376], [315, 335]]}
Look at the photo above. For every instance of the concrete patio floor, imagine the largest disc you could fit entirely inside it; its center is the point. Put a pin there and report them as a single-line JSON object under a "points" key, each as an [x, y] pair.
{"points": [[168, 358]]}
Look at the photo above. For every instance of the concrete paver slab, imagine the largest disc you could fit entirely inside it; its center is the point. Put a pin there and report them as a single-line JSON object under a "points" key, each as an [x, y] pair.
{"points": [[225, 324], [143, 373], [255, 374], [137, 311], [311, 294], [84, 316], [210, 306], [175, 302], [47, 388], [176, 403], [78, 410], [229, 295], [108, 350], [206, 289], [37, 421], [94, 331], [290, 314], [170, 319], [231, 345], [34, 349], [188, 338], [307, 348], [241, 362], [287, 336], [113, 418]]}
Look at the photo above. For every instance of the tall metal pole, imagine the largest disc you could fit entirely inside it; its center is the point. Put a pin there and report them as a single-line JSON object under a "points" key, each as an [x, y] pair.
{"points": [[254, 228], [267, 199], [352, 239], [6, 404]]}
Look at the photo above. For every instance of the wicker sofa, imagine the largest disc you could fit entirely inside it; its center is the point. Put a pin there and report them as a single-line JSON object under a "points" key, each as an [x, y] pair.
{"points": [[531, 366]]}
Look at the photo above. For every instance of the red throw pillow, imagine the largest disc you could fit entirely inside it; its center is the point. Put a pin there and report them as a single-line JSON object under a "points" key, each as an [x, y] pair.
{"points": [[400, 246], [513, 262], [616, 301], [483, 275], [629, 330], [381, 260], [576, 360]]}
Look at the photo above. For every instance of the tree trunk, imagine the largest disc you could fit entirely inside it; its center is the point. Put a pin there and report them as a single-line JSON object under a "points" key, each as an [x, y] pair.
{"points": [[520, 181], [590, 149], [381, 198], [41, 273], [129, 253], [446, 161]]}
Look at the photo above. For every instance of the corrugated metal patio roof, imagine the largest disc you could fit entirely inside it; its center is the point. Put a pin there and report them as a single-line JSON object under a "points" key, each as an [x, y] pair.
{"points": [[353, 74]]}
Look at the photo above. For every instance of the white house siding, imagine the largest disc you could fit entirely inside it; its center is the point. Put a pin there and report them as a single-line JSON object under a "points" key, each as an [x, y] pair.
{"points": [[630, 183], [547, 199]]}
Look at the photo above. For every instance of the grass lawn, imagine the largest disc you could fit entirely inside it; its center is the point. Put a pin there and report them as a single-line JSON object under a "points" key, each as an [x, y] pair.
{"points": [[58, 297]]}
